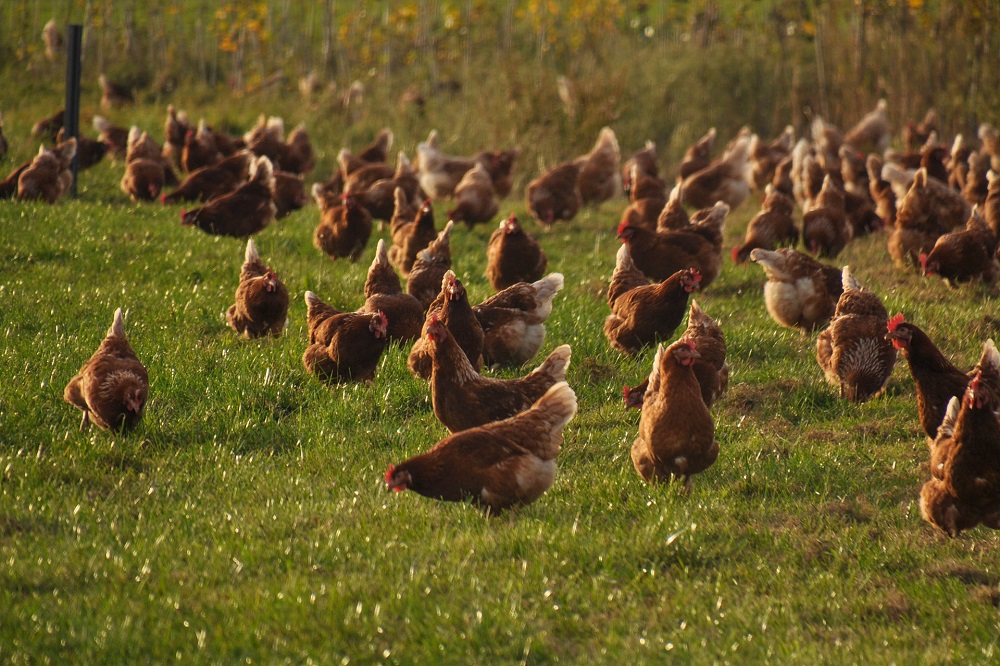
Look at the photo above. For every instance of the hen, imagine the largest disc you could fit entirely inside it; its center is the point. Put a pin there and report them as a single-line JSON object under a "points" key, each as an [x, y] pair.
{"points": [[410, 233], [499, 465], [48, 177], [600, 176], [676, 432], [8, 186], [261, 306], [383, 293], [47, 128], [771, 227], [914, 135], [475, 199], [642, 313], [380, 197], [343, 346], [464, 399], [513, 320], [441, 173], [452, 308], [241, 213], [826, 230], [643, 161], [199, 148], [871, 133], [175, 129], [800, 292], [289, 193], [144, 176], [211, 182], [881, 192], [853, 351], [673, 216], [648, 198], [513, 255], [344, 229], [765, 157], [724, 180], [424, 279], [929, 209], [112, 386], [991, 207], [964, 255], [698, 155], [936, 379], [88, 151], [555, 195]]}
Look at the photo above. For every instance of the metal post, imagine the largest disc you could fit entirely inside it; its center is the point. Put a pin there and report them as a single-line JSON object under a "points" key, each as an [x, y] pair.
{"points": [[71, 116]]}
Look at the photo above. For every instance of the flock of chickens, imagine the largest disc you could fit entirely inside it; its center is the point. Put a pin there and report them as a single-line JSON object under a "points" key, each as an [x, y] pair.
{"points": [[941, 209]]}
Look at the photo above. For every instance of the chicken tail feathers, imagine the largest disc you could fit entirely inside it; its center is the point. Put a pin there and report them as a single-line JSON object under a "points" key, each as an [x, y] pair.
{"points": [[251, 253], [118, 325], [556, 364], [557, 406], [545, 291]]}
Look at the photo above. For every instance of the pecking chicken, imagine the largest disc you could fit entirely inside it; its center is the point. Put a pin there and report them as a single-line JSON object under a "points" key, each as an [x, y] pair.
{"points": [[725, 179], [964, 255], [600, 176], [48, 176], [698, 155], [642, 313], [452, 308], [412, 231], [464, 399], [211, 182], [936, 379], [475, 199], [555, 195], [853, 351], [800, 292], [383, 293], [499, 465], [240, 213], [112, 386], [676, 432], [513, 255], [771, 227], [261, 299], [343, 346], [513, 320], [424, 279], [344, 229], [826, 229]]}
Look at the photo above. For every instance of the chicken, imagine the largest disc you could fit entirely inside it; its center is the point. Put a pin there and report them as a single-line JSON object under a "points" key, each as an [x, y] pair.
{"points": [[463, 399], [929, 209], [379, 199], [112, 386], [676, 432], [964, 255], [958, 163], [826, 230], [114, 95], [933, 157], [827, 140], [378, 149], [936, 379], [990, 137], [343, 230], [771, 227], [441, 173], [475, 199], [343, 346], [47, 128], [53, 40], [991, 207], [964, 488], [211, 182], [513, 255], [513, 320], [500, 165], [725, 179], [88, 151], [8, 186], [452, 308], [661, 254], [871, 133], [424, 279], [648, 198], [289, 193], [853, 351], [800, 292], [261, 299], [854, 172], [48, 177], [241, 213], [976, 177], [297, 155], [144, 177], [199, 149], [643, 161], [782, 180], [175, 129], [915, 135], [555, 195], [499, 465], [698, 155], [673, 216], [881, 192], [764, 158], [599, 178], [363, 178], [410, 233], [383, 293]]}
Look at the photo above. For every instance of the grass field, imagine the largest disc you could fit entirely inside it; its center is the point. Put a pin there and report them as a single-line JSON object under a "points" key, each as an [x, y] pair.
{"points": [[247, 520]]}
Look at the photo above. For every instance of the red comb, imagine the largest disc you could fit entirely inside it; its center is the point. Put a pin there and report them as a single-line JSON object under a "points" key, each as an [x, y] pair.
{"points": [[625, 391], [622, 227], [736, 254], [895, 322], [389, 472]]}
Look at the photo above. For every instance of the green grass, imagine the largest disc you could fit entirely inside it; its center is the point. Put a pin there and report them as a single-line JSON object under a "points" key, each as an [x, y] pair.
{"points": [[247, 520]]}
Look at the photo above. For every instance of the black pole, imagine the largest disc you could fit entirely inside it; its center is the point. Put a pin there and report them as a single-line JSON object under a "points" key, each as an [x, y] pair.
{"points": [[71, 117]]}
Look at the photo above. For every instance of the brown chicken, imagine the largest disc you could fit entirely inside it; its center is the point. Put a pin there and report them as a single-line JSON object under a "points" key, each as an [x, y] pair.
{"points": [[698, 155], [976, 184], [964, 255], [464, 399], [297, 155], [344, 229], [881, 192], [915, 135], [380, 198], [513, 255], [115, 137], [241, 213], [289, 193], [827, 140], [378, 149], [175, 129], [411, 232], [424, 279], [211, 182], [676, 432], [261, 299], [936, 379], [383, 293], [765, 157], [673, 216], [600, 176], [853, 351], [48, 177], [144, 177], [112, 386], [88, 151], [964, 489], [661, 254], [800, 292], [826, 230], [475, 199], [642, 313], [441, 173], [199, 149], [47, 128], [991, 207], [452, 308], [725, 179], [499, 465], [365, 177], [929, 209], [871, 133], [643, 161], [958, 163], [771, 227], [513, 320], [555, 195], [648, 197], [8, 186], [343, 346]]}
